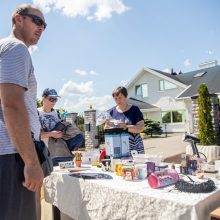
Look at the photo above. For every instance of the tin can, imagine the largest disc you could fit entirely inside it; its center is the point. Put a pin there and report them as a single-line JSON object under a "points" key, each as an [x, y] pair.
{"points": [[141, 171], [128, 173], [150, 168]]}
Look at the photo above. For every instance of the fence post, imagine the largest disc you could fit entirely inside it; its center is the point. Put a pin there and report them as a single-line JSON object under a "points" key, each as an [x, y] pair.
{"points": [[91, 131]]}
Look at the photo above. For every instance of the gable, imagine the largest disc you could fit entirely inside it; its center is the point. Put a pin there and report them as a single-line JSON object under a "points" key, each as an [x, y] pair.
{"points": [[159, 74]]}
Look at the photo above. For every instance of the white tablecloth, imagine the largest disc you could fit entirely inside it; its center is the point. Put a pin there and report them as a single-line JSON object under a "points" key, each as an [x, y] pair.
{"points": [[119, 199]]}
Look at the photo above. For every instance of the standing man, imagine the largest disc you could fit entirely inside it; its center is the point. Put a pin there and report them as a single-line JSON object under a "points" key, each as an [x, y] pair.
{"points": [[20, 172]]}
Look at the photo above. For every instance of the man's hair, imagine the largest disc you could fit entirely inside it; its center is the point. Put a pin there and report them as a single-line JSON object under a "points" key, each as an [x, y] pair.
{"points": [[21, 9], [119, 90]]}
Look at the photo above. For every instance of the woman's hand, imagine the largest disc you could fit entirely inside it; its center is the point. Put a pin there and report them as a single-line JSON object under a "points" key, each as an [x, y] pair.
{"points": [[56, 134], [108, 124], [123, 125]]}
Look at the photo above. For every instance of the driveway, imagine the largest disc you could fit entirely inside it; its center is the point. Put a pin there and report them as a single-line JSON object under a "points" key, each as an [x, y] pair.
{"points": [[170, 146]]}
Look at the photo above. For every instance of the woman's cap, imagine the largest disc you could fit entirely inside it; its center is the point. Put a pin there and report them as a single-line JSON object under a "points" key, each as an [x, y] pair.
{"points": [[50, 92]]}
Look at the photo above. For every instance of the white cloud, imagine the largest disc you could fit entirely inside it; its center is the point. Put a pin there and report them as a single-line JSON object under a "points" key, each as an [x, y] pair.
{"points": [[81, 72], [92, 72], [75, 89], [32, 49], [91, 9], [78, 97], [123, 83], [187, 62], [100, 103], [210, 52], [85, 73], [167, 70]]}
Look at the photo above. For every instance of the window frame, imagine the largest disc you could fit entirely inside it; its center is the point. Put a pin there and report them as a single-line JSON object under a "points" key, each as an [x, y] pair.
{"points": [[162, 83], [183, 112], [140, 86]]}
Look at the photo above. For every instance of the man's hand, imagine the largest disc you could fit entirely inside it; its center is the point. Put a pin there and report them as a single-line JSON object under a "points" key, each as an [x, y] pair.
{"points": [[56, 134], [33, 176]]}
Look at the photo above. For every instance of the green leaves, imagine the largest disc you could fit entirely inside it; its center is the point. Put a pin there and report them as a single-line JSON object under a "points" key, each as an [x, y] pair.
{"points": [[205, 126]]}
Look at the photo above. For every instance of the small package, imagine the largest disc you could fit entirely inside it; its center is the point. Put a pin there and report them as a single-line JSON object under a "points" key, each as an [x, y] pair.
{"points": [[66, 164]]}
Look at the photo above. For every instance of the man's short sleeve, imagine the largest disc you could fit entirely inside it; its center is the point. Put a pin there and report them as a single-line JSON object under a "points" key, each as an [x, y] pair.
{"points": [[15, 65]]}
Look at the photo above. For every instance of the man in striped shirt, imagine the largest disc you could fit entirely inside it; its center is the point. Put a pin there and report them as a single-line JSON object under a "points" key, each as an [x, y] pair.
{"points": [[20, 172]]}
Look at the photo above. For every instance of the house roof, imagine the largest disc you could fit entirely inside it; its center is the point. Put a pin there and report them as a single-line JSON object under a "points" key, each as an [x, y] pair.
{"points": [[209, 76], [164, 75], [140, 104]]}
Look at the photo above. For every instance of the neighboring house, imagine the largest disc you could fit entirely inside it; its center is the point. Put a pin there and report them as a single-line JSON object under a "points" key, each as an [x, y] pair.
{"points": [[166, 97]]}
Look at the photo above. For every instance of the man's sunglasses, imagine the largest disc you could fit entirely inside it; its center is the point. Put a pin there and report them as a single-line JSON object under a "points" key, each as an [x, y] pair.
{"points": [[53, 99], [35, 19]]}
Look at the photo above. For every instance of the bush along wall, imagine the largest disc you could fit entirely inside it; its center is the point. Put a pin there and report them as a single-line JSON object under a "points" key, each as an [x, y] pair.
{"points": [[205, 123]]}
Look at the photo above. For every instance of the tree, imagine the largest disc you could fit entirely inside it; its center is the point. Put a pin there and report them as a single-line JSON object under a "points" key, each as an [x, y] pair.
{"points": [[152, 127], [81, 122], [205, 126], [39, 103]]}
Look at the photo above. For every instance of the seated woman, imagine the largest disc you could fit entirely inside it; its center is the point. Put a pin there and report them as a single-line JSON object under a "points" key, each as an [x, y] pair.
{"points": [[49, 118], [128, 117]]}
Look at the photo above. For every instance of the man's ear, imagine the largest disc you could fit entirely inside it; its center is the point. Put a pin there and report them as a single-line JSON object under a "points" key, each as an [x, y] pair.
{"points": [[18, 19]]}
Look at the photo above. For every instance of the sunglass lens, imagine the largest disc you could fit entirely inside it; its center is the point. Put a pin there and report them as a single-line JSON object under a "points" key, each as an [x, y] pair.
{"points": [[52, 99], [39, 22]]}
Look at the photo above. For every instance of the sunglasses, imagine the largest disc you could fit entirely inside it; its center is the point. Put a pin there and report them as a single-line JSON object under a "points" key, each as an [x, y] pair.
{"points": [[35, 19], [52, 99]]}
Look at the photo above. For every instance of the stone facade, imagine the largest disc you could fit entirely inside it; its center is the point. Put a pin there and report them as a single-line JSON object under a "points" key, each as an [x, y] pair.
{"points": [[91, 131], [72, 118]]}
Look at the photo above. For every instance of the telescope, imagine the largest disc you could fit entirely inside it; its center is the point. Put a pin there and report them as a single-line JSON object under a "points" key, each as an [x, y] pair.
{"points": [[193, 140]]}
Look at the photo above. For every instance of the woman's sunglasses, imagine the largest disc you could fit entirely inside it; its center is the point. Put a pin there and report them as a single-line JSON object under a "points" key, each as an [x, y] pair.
{"points": [[52, 99], [35, 19]]}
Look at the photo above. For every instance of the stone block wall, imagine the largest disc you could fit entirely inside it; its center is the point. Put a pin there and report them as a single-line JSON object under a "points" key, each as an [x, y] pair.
{"points": [[91, 131], [72, 117]]}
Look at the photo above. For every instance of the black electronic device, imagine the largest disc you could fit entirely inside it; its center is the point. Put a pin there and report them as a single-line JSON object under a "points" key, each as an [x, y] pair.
{"points": [[193, 140]]}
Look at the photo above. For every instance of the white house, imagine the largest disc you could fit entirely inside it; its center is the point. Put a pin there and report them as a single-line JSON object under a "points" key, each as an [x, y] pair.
{"points": [[166, 97]]}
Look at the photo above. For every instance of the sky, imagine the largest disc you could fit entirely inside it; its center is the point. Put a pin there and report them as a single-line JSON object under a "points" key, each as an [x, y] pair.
{"points": [[90, 47]]}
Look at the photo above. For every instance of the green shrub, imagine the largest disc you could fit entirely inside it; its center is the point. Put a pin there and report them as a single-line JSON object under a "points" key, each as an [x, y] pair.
{"points": [[152, 127], [205, 126]]}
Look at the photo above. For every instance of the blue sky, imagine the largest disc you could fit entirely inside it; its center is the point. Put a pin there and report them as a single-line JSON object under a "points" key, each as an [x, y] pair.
{"points": [[92, 46]]}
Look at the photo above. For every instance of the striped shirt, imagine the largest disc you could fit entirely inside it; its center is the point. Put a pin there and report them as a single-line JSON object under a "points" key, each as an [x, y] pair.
{"points": [[16, 68]]}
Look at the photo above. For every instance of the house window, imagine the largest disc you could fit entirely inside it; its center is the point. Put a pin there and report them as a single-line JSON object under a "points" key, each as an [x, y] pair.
{"points": [[165, 85], [173, 117], [141, 91]]}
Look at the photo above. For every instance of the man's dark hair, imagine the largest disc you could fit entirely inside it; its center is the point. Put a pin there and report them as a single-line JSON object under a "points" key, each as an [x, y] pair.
{"points": [[119, 90]]}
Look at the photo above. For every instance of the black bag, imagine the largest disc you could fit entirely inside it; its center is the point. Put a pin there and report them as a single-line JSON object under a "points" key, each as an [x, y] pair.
{"points": [[60, 127], [44, 157]]}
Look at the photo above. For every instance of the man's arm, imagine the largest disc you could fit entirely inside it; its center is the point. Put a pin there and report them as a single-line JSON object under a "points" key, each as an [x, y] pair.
{"points": [[17, 122]]}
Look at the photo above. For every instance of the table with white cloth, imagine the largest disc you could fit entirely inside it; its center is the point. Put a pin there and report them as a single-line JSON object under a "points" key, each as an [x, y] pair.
{"points": [[101, 199]]}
